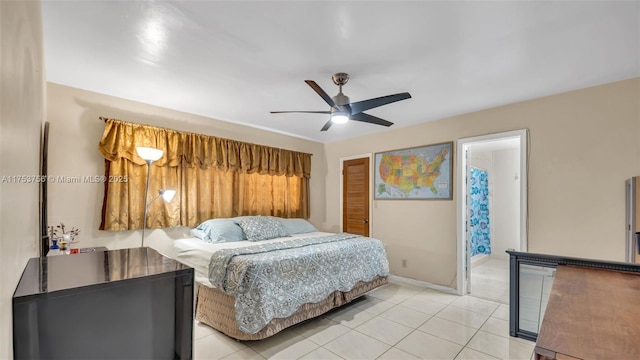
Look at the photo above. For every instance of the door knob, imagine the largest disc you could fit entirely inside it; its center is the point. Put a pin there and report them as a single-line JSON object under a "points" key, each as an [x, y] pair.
{"points": [[366, 221]]}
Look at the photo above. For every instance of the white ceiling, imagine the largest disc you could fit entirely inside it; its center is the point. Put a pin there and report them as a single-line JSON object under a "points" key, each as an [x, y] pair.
{"points": [[236, 61]]}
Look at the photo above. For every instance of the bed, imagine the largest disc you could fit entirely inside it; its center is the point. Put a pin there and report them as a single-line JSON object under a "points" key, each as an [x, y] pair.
{"points": [[251, 290]]}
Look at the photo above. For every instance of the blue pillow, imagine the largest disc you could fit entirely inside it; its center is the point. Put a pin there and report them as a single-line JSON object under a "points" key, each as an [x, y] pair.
{"points": [[219, 230], [262, 227], [298, 226]]}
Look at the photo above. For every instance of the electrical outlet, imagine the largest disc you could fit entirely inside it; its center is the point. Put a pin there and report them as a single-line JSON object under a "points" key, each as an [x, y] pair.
{"points": [[404, 263]]}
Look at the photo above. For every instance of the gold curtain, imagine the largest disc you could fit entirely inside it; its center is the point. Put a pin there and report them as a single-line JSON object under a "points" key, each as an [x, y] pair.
{"points": [[213, 177]]}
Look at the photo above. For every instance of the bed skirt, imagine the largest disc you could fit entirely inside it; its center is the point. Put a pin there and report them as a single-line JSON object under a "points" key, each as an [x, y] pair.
{"points": [[217, 309]]}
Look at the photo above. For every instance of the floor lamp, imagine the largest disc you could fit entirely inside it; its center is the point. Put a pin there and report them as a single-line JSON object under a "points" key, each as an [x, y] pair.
{"points": [[150, 155]]}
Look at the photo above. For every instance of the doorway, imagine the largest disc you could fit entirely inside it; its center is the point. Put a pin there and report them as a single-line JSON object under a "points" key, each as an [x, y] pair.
{"points": [[355, 209], [492, 183]]}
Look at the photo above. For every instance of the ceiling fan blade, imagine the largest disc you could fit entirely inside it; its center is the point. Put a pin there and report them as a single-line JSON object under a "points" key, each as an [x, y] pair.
{"points": [[370, 119], [364, 105], [326, 126], [301, 112], [321, 92]]}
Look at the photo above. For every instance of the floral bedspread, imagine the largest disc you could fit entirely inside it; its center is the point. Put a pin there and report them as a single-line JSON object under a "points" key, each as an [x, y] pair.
{"points": [[272, 280]]}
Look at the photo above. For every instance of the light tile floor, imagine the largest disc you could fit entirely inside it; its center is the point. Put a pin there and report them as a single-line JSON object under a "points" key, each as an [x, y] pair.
{"points": [[490, 280], [397, 321]]}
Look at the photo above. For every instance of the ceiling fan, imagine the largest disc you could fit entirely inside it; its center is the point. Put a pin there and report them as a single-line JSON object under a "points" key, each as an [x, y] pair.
{"points": [[342, 110]]}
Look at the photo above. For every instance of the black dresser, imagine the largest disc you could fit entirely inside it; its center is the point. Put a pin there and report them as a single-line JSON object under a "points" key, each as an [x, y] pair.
{"points": [[118, 304]]}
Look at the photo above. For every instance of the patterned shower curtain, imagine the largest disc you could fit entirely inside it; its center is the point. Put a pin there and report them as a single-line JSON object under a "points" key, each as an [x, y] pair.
{"points": [[479, 212]]}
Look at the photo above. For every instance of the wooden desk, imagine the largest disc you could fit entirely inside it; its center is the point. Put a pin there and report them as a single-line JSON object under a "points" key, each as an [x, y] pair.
{"points": [[591, 314]]}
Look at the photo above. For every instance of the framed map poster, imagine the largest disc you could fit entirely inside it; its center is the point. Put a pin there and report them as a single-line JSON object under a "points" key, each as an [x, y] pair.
{"points": [[419, 173]]}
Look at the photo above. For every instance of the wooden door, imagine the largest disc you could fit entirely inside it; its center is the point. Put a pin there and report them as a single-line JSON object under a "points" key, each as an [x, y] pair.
{"points": [[355, 196]]}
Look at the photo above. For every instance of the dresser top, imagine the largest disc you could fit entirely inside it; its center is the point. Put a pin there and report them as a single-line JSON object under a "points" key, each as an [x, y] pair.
{"points": [[56, 273], [591, 314]]}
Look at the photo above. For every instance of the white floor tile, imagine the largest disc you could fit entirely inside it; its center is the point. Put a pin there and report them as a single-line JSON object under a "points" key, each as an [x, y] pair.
{"points": [[476, 305], [377, 290], [497, 294], [406, 286], [201, 330], [284, 345], [462, 316], [502, 312], [405, 316], [438, 296], [350, 316], [355, 345], [490, 280], [369, 327], [321, 331], [397, 354], [524, 341], [387, 331], [427, 346], [448, 330], [500, 347], [424, 305], [373, 305], [504, 296], [321, 354], [215, 346], [496, 326], [395, 292], [394, 296], [470, 354], [245, 354]]}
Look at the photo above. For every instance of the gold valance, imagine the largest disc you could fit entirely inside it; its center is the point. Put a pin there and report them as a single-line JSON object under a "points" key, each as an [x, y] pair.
{"points": [[120, 139]]}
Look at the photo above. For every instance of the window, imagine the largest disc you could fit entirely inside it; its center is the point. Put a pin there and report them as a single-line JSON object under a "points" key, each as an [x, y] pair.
{"points": [[213, 177]]}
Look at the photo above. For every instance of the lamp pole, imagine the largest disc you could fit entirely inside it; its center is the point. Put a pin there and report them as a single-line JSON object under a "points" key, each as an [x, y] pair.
{"points": [[146, 198], [149, 155]]}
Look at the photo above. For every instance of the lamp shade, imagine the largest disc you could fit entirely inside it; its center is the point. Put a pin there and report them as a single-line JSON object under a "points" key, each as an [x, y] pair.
{"points": [[168, 195], [149, 154]]}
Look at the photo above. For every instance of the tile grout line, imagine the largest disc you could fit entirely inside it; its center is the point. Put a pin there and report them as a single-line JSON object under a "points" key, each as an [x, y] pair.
{"points": [[412, 328], [475, 333], [404, 337], [417, 328]]}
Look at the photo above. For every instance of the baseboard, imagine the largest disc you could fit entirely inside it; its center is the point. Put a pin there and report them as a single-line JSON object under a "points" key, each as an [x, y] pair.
{"points": [[405, 280]]}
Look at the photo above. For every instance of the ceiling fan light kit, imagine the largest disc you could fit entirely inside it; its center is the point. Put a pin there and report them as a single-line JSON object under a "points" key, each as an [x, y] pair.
{"points": [[343, 110], [339, 117]]}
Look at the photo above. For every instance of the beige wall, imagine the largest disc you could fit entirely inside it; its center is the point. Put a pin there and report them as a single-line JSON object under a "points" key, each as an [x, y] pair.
{"points": [[583, 145], [21, 115], [505, 219], [73, 151]]}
